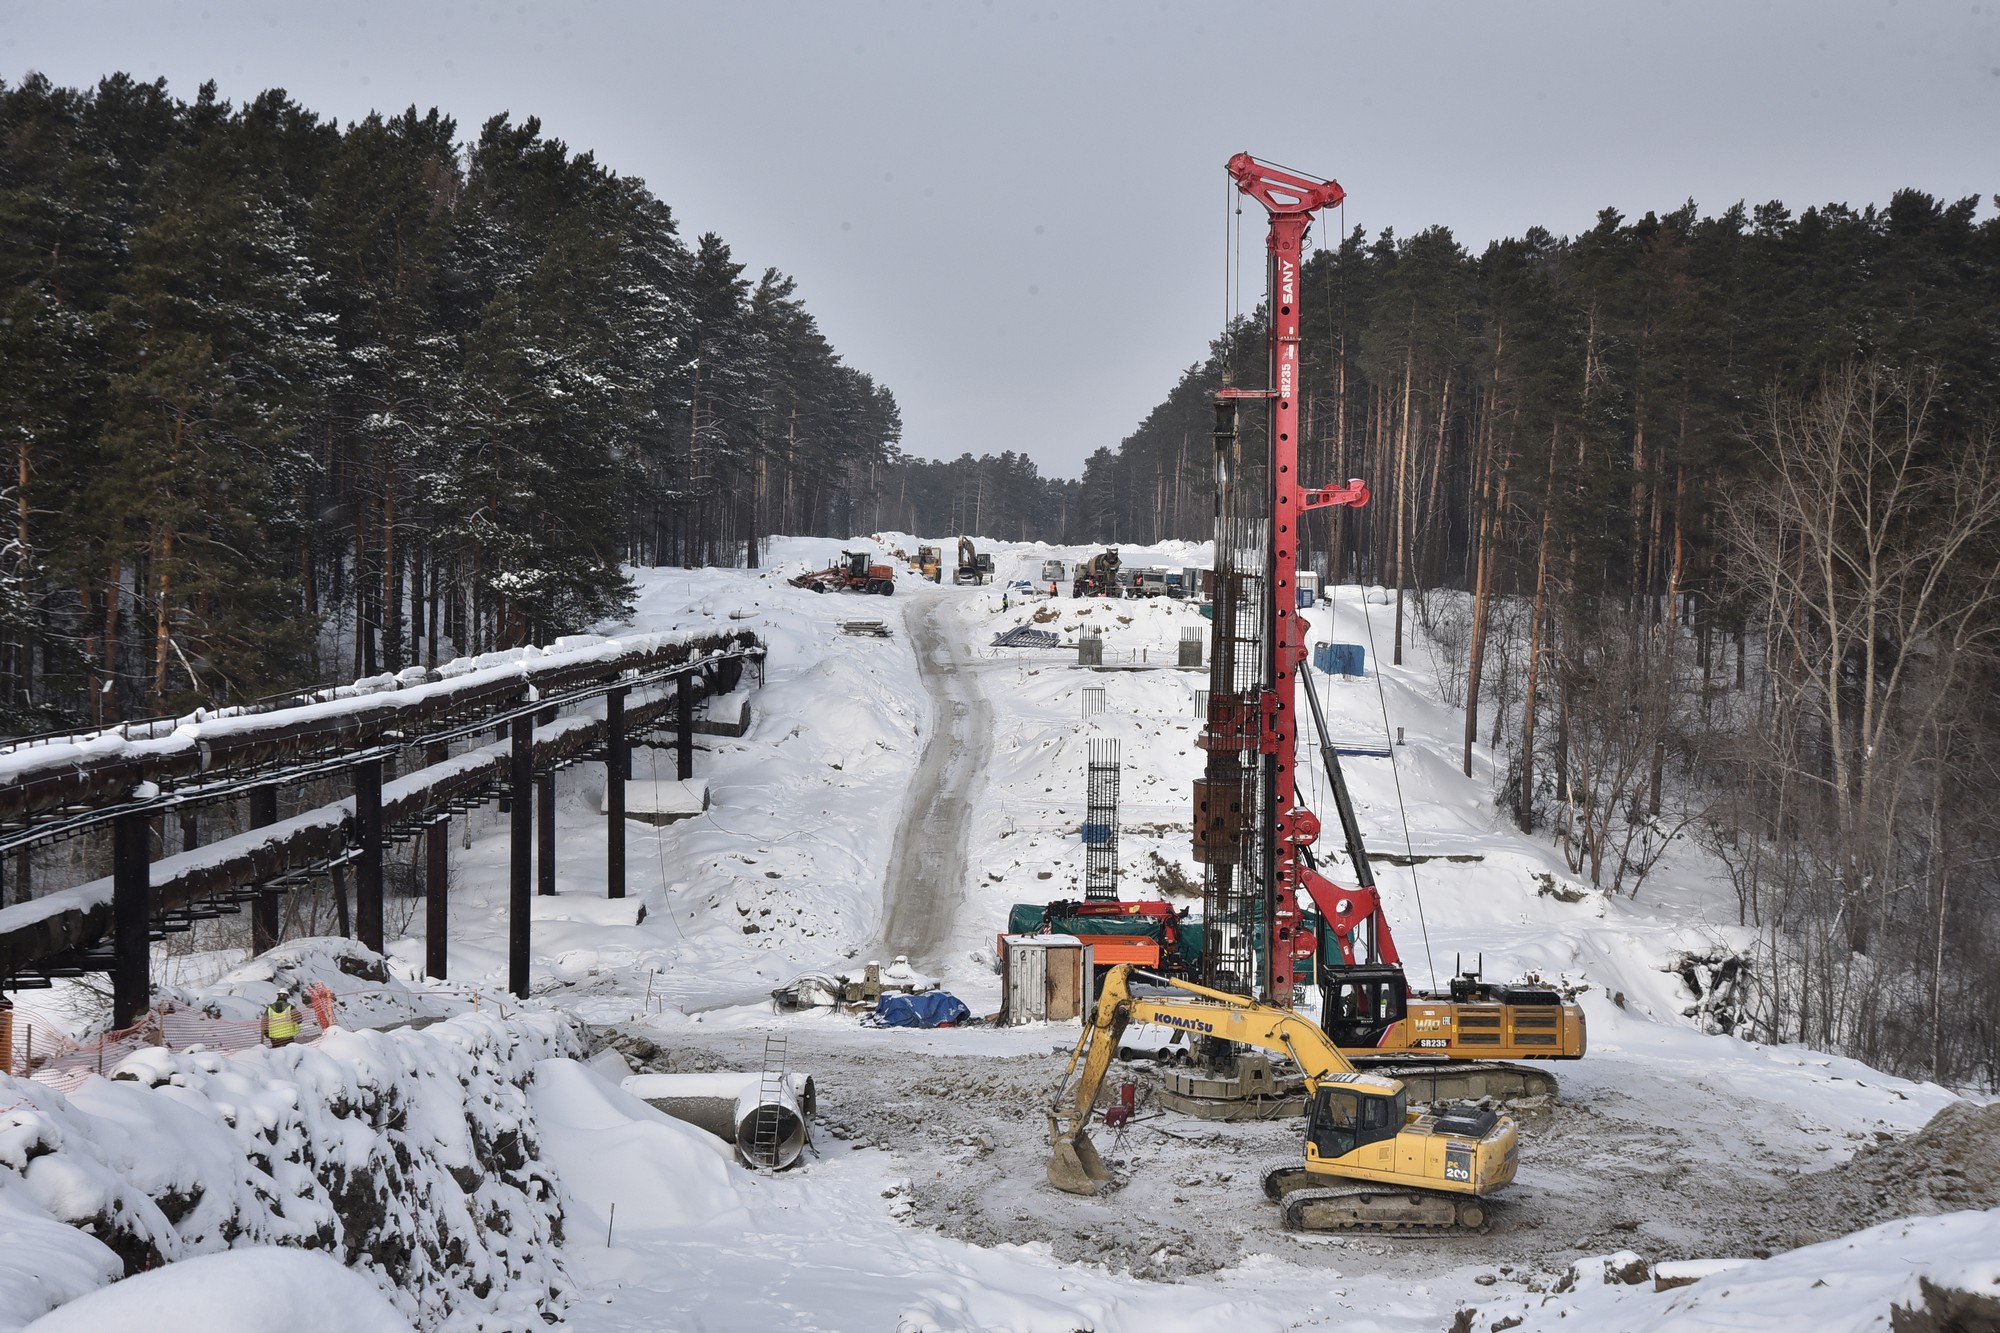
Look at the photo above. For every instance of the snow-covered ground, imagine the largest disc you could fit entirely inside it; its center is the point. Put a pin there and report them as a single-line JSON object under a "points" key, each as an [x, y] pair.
{"points": [[926, 1208]]}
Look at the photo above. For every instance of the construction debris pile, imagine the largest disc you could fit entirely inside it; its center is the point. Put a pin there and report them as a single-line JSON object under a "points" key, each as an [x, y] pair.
{"points": [[1951, 1163], [854, 990]]}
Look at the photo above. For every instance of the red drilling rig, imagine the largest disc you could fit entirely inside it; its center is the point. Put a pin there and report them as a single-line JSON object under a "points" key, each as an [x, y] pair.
{"points": [[1259, 644], [1252, 830]]}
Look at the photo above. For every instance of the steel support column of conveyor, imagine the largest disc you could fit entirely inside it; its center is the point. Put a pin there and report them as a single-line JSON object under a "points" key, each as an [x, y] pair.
{"points": [[545, 833], [615, 760], [684, 739], [265, 914], [437, 839], [368, 865], [521, 816], [131, 933]]}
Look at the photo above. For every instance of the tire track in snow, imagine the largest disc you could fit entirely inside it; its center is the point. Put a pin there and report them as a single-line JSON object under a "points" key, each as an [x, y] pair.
{"points": [[926, 880]]}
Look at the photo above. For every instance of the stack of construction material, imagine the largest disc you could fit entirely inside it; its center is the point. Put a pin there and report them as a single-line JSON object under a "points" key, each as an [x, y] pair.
{"points": [[1023, 636]]}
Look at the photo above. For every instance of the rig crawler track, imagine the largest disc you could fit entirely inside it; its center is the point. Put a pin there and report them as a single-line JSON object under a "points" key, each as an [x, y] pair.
{"points": [[1487, 1081]]}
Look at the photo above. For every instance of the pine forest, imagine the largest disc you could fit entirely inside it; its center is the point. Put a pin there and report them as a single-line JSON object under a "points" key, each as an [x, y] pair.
{"points": [[270, 384]]}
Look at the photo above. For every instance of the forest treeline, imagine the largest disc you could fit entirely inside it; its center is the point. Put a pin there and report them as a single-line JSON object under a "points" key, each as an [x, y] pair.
{"points": [[285, 401]]}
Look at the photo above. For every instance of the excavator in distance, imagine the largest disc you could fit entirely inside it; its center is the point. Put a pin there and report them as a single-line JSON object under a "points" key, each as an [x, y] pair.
{"points": [[972, 566], [1370, 1162]]}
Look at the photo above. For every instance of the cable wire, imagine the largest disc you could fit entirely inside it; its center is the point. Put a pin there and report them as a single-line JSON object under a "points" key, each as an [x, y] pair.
{"points": [[1228, 188], [660, 850], [1395, 771]]}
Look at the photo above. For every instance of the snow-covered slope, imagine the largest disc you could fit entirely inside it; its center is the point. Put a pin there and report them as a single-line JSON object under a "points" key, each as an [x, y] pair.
{"points": [[926, 1209]]}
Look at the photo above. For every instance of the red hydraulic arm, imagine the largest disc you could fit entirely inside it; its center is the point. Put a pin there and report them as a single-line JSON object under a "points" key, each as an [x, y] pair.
{"points": [[1291, 201]]}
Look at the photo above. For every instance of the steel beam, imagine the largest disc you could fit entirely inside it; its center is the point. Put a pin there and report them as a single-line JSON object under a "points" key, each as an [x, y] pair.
{"points": [[616, 756], [131, 940], [368, 866], [437, 839], [266, 927], [545, 833], [521, 816], [684, 739]]}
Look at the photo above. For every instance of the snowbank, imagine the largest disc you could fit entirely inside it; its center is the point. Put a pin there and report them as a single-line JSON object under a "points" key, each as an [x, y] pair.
{"points": [[1916, 1273], [254, 1290], [369, 996], [411, 1155]]}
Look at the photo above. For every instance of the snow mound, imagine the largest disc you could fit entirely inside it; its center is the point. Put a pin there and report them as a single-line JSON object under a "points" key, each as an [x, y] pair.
{"points": [[1911, 1275], [410, 1155], [252, 1290], [43, 1262], [608, 1147]]}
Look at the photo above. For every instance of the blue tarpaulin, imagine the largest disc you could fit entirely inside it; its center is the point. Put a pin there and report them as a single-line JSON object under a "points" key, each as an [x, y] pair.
{"points": [[934, 1009], [1340, 659]]}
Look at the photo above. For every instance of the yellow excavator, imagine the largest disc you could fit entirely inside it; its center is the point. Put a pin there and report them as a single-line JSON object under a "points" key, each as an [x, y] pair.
{"points": [[973, 567], [1370, 1161]]}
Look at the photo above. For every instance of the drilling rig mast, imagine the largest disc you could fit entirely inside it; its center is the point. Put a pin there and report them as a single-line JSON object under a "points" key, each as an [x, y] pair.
{"points": [[1250, 829]]}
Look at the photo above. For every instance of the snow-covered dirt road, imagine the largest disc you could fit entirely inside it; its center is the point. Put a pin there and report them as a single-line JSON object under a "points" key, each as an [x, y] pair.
{"points": [[927, 867]]}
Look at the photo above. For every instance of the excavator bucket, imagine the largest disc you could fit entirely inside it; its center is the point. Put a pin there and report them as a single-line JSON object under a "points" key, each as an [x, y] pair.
{"points": [[1074, 1166]]}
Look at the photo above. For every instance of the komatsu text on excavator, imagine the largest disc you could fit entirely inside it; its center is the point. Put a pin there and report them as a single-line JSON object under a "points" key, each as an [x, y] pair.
{"points": [[1370, 1161]]}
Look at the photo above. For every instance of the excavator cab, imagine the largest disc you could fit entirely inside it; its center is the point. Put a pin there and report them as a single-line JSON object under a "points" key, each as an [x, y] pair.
{"points": [[1343, 1120], [1361, 1003]]}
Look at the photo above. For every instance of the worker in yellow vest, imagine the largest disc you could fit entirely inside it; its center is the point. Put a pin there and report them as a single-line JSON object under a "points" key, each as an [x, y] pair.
{"points": [[280, 1022]]}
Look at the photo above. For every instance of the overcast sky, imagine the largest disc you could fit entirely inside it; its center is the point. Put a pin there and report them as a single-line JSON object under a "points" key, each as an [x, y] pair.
{"points": [[1012, 214]]}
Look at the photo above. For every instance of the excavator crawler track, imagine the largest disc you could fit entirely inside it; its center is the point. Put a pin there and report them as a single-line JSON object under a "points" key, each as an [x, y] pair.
{"points": [[1470, 1081], [1383, 1208], [1285, 1177]]}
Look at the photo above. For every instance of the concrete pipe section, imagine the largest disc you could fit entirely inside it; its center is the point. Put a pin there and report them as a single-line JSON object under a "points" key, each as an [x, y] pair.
{"points": [[768, 1131]]}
